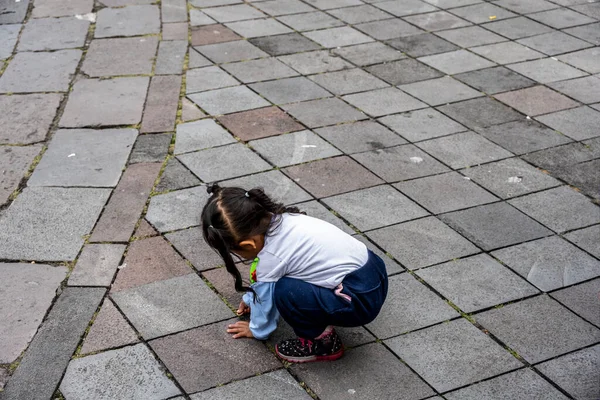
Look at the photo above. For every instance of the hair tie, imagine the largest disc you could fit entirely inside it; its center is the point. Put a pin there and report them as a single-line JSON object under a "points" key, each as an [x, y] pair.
{"points": [[247, 194], [210, 226]]}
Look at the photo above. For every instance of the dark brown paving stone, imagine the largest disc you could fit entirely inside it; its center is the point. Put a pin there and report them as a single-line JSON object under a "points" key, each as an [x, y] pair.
{"points": [[125, 206], [191, 245], [583, 299], [210, 34], [494, 80], [26, 118], [192, 355], [161, 104], [422, 45], [14, 164], [403, 71], [108, 331], [53, 34], [145, 230], [189, 111], [147, 261], [175, 31], [97, 265], [150, 148], [284, 44], [480, 113], [536, 100], [332, 176], [260, 123], [175, 177]]}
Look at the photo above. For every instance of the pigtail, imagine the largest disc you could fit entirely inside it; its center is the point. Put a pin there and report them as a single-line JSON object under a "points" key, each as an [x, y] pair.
{"points": [[221, 247]]}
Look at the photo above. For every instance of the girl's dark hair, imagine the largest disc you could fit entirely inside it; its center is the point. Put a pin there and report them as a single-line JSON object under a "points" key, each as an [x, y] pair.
{"points": [[232, 215]]}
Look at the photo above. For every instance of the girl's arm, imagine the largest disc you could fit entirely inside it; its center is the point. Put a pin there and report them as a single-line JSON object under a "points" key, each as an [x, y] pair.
{"points": [[264, 315]]}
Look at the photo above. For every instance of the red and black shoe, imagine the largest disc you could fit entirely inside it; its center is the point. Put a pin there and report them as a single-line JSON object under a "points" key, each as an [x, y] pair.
{"points": [[327, 347]]}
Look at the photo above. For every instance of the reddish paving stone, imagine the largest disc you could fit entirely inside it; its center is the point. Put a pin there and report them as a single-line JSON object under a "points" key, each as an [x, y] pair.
{"points": [[256, 124], [224, 283], [210, 34], [175, 31], [14, 163], [191, 245], [192, 355], [161, 104], [332, 176], [109, 330], [536, 100], [97, 265], [145, 230], [126, 204], [26, 118], [189, 111], [147, 261]]}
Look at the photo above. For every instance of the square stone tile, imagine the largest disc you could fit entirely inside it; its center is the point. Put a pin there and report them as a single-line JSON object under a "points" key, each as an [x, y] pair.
{"points": [[275, 184], [188, 353], [375, 207], [256, 124], [223, 162], [480, 113], [230, 51], [40, 72], [315, 62], [546, 70], [259, 70], [196, 60], [53, 34], [317, 210], [578, 123], [511, 177], [171, 56], [348, 81], [421, 243], [539, 328], [49, 224], [13, 13], [358, 14], [9, 34], [391, 266], [54, 8], [290, 90], [127, 21], [232, 13], [336, 37], [582, 299], [110, 102], [294, 148], [363, 369], [400, 163], [174, 11], [283, 7], [495, 80], [423, 44], [368, 53], [561, 18], [228, 100], [558, 158], [554, 43], [189, 303], [211, 34], [360, 136], [561, 209], [96, 265], [310, 21], [586, 239], [587, 60], [208, 78], [481, 12], [15, 162], [591, 9], [422, 124], [517, 28], [221, 280], [259, 27], [329, 4], [212, 3], [189, 111], [199, 135], [403, 71], [84, 158], [437, 21], [470, 36], [150, 148], [495, 225], [198, 18], [124, 56], [401, 8], [440, 91], [332, 176], [588, 33], [585, 90], [477, 282], [383, 101], [284, 44], [507, 52], [388, 29], [177, 210], [190, 243], [536, 100], [445, 192], [456, 62], [583, 176], [410, 305], [316, 113], [452, 3], [461, 353], [528, 7]]}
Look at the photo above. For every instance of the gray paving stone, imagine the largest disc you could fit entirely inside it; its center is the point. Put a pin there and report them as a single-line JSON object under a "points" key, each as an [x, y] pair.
{"points": [[198, 135], [538, 328], [455, 62], [85, 157], [284, 44], [170, 58], [275, 184], [561, 209], [177, 210], [403, 71], [58, 8], [97, 265], [436, 21], [522, 383], [294, 148], [536, 100], [481, 12], [470, 36], [29, 289], [310, 21], [117, 374], [231, 51], [173, 11], [546, 70], [228, 100], [313, 62], [517, 28], [477, 282], [561, 18], [368, 53], [336, 37], [421, 124], [507, 52], [361, 371], [480, 113], [123, 56], [582, 299], [381, 102], [358, 14], [53, 34], [290, 90], [527, 7], [317, 210], [110, 102], [329, 4], [190, 303], [412, 243], [451, 355], [212, 3], [440, 91], [198, 18], [189, 111], [259, 27], [127, 21], [348, 81], [277, 384], [190, 243], [208, 78], [424, 44], [587, 32], [495, 225], [401, 8], [591, 9], [283, 7], [578, 123], [232, 13], [391, 266], [495, 80], [583, 176], [15, 162], [175, 177], [452, 3], [46, 359], [13, 12], [109, 330], [8, 38], [360, 136], [188, 353], [388, 29], [150, 148], [400, 163], [259, 70], [559, 158], [587, 60], [585, 90], [56, 220], [554, 43], [316, 113], [40, 72], [586, 239], [197, 60]]}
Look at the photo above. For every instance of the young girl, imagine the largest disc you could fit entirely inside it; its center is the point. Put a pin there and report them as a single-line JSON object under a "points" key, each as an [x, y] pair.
{"points": [[306, 270]]}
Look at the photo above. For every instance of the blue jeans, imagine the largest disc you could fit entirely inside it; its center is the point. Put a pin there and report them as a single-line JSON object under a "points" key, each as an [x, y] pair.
{"points": [[309, 309]]}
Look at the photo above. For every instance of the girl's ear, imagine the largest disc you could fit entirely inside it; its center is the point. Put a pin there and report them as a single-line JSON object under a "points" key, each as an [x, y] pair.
{"points": [[248, 244]]}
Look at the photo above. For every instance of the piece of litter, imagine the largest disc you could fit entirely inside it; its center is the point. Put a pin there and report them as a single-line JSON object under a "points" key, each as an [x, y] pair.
{"points": [[87, 17], [308, 145], [467, 178], [351, 391], [554, 58], [515, 179], [528, 117], [122, 266], [416, 160], [71, 155], [492, 17]]}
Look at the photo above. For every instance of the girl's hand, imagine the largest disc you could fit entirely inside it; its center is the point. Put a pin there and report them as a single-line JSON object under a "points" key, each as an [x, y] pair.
{"points": [[243, 309], [240, 329]]}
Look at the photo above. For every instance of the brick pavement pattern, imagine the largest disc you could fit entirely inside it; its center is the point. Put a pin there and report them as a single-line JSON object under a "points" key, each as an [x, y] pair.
{"points": [[458, 139]]}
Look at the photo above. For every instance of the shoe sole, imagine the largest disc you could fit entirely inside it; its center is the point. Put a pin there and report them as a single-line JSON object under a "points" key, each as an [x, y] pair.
{"points": [[300, 360]]}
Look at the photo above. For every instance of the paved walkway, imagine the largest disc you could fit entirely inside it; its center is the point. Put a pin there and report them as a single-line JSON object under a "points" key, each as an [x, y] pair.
{"points": [[459, 139]]}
